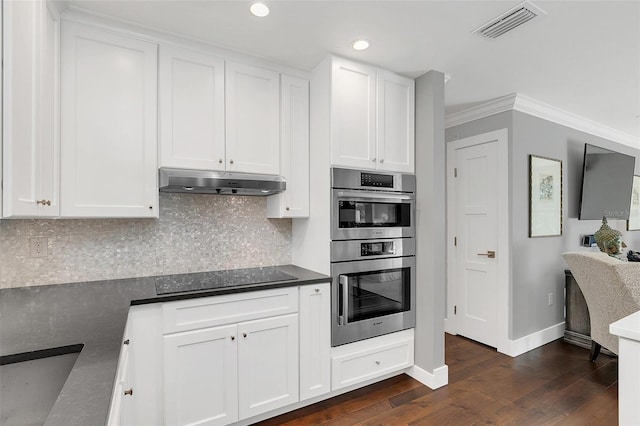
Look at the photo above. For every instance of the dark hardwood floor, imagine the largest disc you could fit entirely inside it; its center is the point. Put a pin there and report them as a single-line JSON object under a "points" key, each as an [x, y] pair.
{"points": [[554, 384]]}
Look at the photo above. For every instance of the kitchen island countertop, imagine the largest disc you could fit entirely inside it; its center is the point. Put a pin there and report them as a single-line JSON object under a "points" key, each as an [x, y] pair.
{"points": [[94, 314]]}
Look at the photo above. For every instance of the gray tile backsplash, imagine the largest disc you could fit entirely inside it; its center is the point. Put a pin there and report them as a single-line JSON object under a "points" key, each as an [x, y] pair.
{"points": [[194, 233]]}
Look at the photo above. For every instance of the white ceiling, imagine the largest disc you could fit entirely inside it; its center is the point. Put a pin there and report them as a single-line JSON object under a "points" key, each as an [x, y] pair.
{"points": [[582, 57]]}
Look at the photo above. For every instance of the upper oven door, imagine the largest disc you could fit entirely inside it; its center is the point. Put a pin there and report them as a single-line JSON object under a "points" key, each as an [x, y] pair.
{"points": [[371, 214]]}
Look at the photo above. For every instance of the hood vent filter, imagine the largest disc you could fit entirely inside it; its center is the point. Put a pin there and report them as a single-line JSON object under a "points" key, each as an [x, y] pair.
{"points": [[513, 18]]}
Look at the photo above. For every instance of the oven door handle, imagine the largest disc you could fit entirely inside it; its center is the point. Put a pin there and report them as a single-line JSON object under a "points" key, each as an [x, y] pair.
{"points": [[344, 296], [373, 195]]}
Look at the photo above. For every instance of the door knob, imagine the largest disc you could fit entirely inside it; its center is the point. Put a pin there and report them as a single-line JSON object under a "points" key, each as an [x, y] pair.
{"points": [[490, 254]]}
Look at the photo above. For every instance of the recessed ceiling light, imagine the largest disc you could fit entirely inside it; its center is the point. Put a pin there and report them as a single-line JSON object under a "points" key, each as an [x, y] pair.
{"points": [[259, 9], [361, 44]]}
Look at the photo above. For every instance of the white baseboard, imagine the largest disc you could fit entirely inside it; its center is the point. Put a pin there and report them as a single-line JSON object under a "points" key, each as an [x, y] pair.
{"points": [[435, 380], [450, 326], [517, 347]]}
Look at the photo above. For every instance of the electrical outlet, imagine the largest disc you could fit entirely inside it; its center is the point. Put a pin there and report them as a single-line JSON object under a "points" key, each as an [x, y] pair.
{"points": [[550, 299], [39, 246]]}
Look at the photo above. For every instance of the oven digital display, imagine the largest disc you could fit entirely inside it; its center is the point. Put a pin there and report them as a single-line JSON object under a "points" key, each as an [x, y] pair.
{"points": [[377, 249], [375, 180]]}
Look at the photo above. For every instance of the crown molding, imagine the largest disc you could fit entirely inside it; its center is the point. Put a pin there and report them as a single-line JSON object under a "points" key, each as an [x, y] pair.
{"points": [[531, 106], [486, 109]]}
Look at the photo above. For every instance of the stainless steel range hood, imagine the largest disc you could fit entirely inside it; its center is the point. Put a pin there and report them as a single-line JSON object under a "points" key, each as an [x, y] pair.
{"points": [[223, 183]]}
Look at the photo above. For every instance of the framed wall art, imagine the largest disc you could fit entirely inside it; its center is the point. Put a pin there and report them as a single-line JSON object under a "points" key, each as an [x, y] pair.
{"points": [[545, 197], [633, 224]]}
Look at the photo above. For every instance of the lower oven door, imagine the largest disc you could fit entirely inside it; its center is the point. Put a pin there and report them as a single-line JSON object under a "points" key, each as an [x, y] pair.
{"points": [[371, 298]]}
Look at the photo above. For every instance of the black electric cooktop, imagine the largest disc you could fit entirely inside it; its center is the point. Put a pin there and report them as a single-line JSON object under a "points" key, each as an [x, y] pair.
{"points": [[198, 281]]}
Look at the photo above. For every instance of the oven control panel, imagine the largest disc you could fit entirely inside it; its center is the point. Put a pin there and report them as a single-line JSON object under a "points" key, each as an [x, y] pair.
{"points": [[349, 250], [376, 180], [378, 249]]}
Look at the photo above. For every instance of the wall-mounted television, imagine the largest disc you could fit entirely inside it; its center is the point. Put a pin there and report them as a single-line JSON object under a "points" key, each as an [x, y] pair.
{"points": [[607, 181]]}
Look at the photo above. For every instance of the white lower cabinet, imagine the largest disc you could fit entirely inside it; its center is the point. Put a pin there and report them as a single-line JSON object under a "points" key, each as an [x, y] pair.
{"points": [[225, 359], [120, 409], [367, 359], [200, 377], [267, 364], [217, 376], [315, 340]]}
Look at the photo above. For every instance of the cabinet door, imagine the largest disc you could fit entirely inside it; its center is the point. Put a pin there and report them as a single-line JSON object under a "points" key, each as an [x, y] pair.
{"points": [[200, 377], [396, 110], [294, 148], [252, 119], [268, 364], [31, 143], [191, 110], [109, 124], [315, 340], [353, 115], [120, 402]]}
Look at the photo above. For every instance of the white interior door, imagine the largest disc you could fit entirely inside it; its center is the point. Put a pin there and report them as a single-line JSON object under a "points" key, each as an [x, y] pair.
{"points": [[476, 186]]}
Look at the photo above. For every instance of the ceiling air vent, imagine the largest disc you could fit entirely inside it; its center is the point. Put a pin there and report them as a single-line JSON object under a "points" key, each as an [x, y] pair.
{"points": [[509, 20]]}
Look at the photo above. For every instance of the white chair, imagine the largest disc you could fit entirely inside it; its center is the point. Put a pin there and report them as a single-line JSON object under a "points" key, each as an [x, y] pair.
{"points": [[611, 289]]}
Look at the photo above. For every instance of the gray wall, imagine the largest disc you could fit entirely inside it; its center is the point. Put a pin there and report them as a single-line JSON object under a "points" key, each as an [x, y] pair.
{"points": [[430, 221], [537, 267], [194, 233]]}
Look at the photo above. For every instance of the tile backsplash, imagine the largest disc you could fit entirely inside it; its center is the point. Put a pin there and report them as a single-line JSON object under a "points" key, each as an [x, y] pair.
{"points": [[194, 233]]}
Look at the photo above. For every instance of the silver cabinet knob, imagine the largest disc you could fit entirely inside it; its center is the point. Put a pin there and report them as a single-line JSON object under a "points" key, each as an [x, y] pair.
{"points": [[377, 362], [287, 208], [374, 159], [129, 392], [230, 161], [233, 338], [44, 202], [244, 335], [126, 342], [382, 160], [317, 290], [220, 161]]}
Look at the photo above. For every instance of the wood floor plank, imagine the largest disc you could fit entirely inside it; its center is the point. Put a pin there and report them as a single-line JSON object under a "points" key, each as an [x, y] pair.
{"points": [[553, 384]]}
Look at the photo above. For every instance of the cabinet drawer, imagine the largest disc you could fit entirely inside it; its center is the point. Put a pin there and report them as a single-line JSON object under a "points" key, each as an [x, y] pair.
{"points": [[364, 363], [212, 311]]}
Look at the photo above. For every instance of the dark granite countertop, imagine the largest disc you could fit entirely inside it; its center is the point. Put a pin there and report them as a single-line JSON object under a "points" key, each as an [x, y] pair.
{"points": [[94, 314]]}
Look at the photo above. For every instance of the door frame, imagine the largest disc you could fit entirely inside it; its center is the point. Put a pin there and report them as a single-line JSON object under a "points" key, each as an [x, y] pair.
{"points": [[504, 233]]}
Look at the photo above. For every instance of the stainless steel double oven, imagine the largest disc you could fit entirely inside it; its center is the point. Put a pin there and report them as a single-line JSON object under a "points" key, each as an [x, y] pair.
{"points": [[373, 248]]}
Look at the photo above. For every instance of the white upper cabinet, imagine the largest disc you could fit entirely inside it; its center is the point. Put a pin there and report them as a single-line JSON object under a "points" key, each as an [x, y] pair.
{"points": [[30, 112], [396, 132], [353, 114], [372, 118], [191, 110], [252, 119], [294, 150], [109, 124]]}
